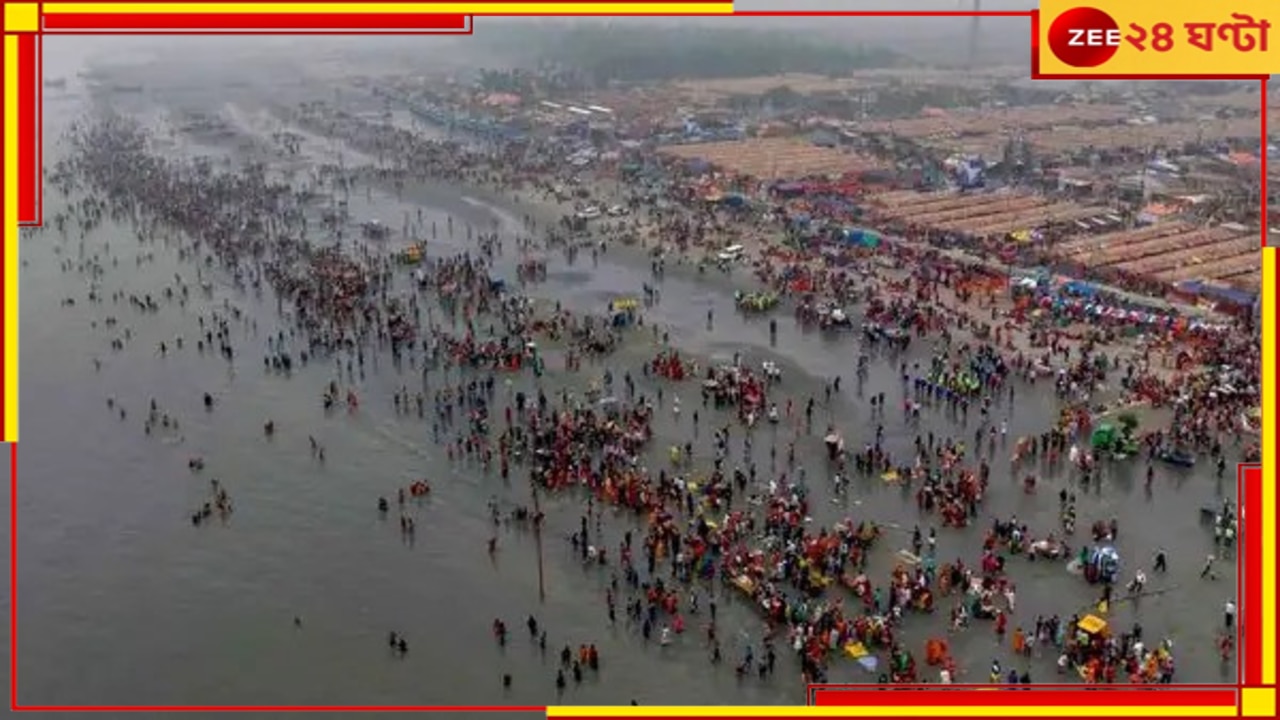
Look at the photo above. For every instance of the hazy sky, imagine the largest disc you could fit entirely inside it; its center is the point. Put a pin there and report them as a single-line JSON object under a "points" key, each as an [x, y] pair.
{"points": [[883, 4], [66, 55]]}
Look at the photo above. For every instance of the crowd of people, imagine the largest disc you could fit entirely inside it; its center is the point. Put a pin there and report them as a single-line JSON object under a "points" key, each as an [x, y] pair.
{"points": [[712, 523]]}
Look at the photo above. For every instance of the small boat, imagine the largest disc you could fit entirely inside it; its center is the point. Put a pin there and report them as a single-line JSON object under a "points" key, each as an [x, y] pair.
{"points": [[756, 302], [411, 255], [375, 230], [55, 83], [894, 337], [1180, 458], [835, 445], [834, 319], [1049, 549]]}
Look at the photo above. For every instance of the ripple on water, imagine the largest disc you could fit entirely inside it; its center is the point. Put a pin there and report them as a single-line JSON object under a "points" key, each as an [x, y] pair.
{"points": [[570, 277]]}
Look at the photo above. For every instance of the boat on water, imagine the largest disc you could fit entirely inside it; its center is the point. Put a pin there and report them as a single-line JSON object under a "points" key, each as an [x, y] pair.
{"points": [[55, 83], [755, 302], [375, 230], [890, 334], [1178, 457], [834, 318]]}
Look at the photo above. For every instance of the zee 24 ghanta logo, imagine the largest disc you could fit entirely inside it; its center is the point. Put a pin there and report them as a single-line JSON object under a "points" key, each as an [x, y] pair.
{"points": [[1086, 37]]}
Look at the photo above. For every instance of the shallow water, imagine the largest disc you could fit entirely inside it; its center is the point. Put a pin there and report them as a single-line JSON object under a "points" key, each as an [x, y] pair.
{"points": [[123, 601]]}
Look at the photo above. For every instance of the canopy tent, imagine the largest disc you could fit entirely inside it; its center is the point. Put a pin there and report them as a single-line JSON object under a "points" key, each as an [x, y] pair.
{"points": [[1218, 292], [861, 237], [1092, 624]]}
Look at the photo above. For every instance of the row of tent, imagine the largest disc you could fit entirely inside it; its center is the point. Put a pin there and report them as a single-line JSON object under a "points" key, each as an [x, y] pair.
{"points": [[1218, 293], [487, 126], [694, 134], [1194, 288], [1086, 297]]}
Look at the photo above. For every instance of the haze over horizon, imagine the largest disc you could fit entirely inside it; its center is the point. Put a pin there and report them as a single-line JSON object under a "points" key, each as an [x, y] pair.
{"points": [[1001, 40]]}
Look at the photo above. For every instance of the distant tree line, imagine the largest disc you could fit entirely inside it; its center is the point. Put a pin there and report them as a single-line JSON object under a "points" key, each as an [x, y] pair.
{"points": [[596, 54]]}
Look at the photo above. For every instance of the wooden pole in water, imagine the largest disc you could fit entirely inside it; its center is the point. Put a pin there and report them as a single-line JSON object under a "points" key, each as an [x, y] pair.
{"points": [[537, 539]]}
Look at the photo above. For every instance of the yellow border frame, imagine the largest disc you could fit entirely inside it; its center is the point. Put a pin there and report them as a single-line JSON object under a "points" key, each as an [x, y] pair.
{"points": [[25, 17], [890, 711], [497, 8], [12, 263]]}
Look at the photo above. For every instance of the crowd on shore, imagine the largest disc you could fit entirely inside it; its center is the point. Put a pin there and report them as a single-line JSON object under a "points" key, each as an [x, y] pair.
{"points": [[1205, 371], [713, 523]]}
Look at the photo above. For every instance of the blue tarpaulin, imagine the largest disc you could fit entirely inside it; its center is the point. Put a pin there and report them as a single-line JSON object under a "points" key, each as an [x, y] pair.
{"points": [[824, 138], [1218, 292], [1079, 287], [1230, 295], [861, 237]]}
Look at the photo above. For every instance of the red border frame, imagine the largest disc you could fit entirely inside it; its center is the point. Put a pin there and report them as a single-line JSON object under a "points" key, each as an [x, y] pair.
{"points": [[31, 211], [255, 23], [1250, 579], [1055, 695]]}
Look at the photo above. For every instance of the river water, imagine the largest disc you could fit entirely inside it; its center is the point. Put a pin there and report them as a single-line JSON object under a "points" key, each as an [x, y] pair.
{"points": [[123, 601]]}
